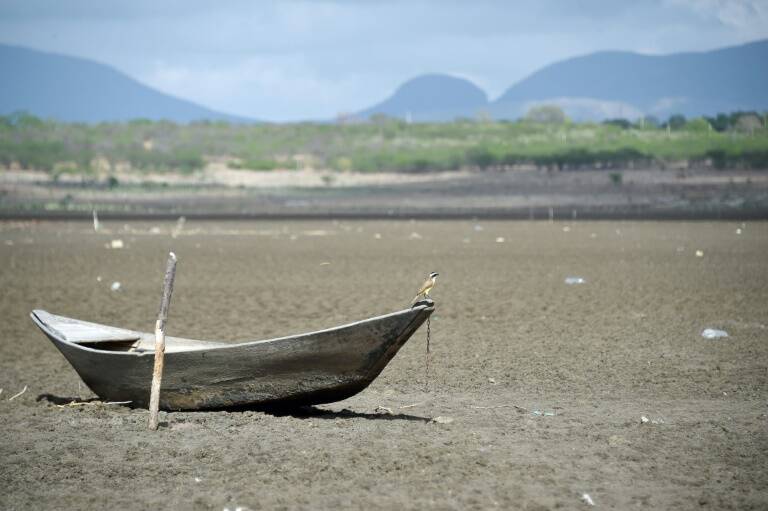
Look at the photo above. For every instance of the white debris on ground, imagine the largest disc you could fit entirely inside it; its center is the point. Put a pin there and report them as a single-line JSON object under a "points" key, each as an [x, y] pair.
{"points": [[116, 244], [699, 253], [542, 413], [713, 333], [442, 420], [646, 420], [574, 280], [500, 239], [115, 286], [587, 499], [377, 236], [414, 236]]}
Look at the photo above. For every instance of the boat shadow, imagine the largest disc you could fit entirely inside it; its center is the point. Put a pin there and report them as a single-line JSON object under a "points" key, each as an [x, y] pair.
{"points": [[313, 412], [276, 410]]}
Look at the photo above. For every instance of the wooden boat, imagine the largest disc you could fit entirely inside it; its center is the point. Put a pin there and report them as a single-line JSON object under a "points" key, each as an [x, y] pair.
{"points": [[312, 368]]}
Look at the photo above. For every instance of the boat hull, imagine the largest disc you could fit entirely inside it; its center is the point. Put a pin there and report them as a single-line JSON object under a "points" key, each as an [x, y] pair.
{"points": [[313, 368]]}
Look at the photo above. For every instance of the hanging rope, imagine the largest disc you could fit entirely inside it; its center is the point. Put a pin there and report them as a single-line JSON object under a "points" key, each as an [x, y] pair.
{"points": [[426, 369]]}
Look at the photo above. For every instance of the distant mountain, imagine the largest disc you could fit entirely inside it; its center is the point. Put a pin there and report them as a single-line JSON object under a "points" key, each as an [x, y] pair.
{"points": [[433, 97], [613, 84], [593, 87], [74, 89], [602, 85]]}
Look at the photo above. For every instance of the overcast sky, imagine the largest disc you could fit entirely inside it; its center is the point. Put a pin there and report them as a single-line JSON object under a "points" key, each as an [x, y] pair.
{"points": [[295, 60]]}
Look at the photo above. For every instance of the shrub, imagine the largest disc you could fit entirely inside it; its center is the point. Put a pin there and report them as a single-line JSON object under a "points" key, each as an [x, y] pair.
{"points": [[698, 125], [481, 157], [676, 121], [748, 123], [546, 114], [621, 123], [754, 159]]}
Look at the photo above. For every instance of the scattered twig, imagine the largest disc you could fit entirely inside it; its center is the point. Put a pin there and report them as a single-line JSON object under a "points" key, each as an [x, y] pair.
{"points": [[516, 407], [73, 404], [17, 395], [413, 405]]}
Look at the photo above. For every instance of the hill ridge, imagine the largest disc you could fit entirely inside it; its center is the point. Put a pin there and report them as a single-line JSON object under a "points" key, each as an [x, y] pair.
{"points": [[75, 89]]}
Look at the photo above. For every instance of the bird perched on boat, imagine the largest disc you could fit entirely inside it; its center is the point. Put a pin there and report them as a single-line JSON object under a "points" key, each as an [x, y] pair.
{"points": [[427, 286]]}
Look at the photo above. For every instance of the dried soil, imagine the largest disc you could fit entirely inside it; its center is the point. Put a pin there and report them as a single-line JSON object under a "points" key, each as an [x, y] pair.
{"points": [[543, 384]]}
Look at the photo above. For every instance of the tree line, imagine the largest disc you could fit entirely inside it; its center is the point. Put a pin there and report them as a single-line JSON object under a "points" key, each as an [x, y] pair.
{"points": [[543, 138]]}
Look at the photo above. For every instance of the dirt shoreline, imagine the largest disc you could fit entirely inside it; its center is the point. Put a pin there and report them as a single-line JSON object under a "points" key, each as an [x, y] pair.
{"points": [[545, 384], [559, 214], [651, 194]]}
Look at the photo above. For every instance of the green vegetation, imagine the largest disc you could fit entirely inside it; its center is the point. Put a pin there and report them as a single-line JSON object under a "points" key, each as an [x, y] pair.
{"points": [[545, 139], [547, 114]]}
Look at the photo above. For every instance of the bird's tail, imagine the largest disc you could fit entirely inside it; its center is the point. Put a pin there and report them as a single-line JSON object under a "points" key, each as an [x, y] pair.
{"points": [[415, 299]]}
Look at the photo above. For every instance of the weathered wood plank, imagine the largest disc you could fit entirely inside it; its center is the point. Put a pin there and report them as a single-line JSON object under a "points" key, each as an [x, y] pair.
{"points": [[81, 331]]}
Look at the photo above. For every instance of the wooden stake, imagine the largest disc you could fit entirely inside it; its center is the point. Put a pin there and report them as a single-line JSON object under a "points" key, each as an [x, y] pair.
{"points": [[162, 318]]}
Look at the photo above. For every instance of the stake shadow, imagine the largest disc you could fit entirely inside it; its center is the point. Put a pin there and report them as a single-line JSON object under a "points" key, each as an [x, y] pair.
{"points": [[61, 400]]}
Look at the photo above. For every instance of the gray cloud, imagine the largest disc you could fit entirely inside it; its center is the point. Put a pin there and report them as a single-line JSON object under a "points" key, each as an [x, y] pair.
{"points": [[312, 59]]}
